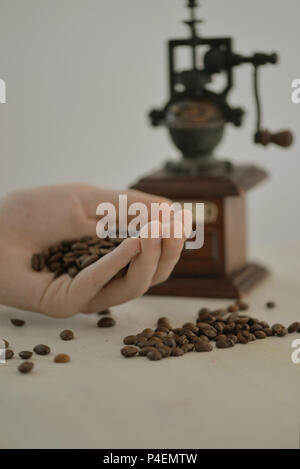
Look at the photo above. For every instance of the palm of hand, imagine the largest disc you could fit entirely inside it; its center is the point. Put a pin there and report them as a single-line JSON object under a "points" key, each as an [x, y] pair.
{"points": [[32, 220]]}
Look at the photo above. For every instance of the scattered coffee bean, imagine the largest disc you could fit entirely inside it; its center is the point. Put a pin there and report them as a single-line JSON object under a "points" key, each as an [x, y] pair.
{"points": [[106, 322], [6, 344], [224, 343], [176, 352], [271, 304], [25, 354], [242, 305], [203, 347], [154, 355], [148, 333], [37, 262], [260, 334], [188, 347], [62, 358], [17, 322], [67, 335], [295, 327], [26, 367], [145, 350], [130, 340], [129, 351], [42, 349], [8, 354]]}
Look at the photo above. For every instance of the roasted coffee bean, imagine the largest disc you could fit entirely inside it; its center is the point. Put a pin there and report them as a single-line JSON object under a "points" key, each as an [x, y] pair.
{"points": [[129, 351], [233, 309], [62, 358], [188, 325], [255, 328], [73, 271], [188, 347], [130, 340], [6, 344], [242, 338], [154, 341], [265, 325], [188, 333], [67, 334], [176, 352], [106, 322], [282, 332], [242, 305], [219, 327], [169, 341], [270, 304], [142, 342], [181, 340], [8, 354], [154, 355], [295, 327], [148, 333], [160, 334], [203, 347], [56, 257], [211, 333], [229, 328], [17, 322], [25, 354], [269, 332], [233, 337], [26, 367], [252, 338], [224, 343], [164, 330], [165, 351], [202, 325], [42, 349], [277, 327], [105, 312], [260, 334], [205, 317], [242, 320], [145, 350], [202, 338], [164, 322], [37, 262]]}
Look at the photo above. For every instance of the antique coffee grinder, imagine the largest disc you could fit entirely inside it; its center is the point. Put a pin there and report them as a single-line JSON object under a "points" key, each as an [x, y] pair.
{"points": [[195, 117]]}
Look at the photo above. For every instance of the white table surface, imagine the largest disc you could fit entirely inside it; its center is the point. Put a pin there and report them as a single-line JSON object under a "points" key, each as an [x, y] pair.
{"points": [[245, 397]]}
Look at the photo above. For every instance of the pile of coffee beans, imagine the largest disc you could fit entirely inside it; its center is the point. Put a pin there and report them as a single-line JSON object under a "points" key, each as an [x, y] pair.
{"points": [[224, 327], [70, 256]]}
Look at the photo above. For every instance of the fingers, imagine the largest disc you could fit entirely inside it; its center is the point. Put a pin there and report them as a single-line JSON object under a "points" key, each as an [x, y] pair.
{"points": [[137, 280], [91, 280], [172, 246]]}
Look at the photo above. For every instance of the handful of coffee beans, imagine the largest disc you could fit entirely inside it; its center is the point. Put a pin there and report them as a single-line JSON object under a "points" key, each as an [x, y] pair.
{"points": [[224, 327], [70, 256]]}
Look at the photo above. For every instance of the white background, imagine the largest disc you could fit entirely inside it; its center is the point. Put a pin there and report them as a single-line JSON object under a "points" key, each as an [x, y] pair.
{"points": [[82, 74]]}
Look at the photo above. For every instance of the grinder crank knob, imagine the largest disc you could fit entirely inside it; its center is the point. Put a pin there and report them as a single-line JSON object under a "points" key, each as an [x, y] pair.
{"points": [[283, 138]]}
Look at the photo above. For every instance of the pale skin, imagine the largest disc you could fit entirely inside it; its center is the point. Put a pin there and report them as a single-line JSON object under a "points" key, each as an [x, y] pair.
{"points": [[33, 219]]}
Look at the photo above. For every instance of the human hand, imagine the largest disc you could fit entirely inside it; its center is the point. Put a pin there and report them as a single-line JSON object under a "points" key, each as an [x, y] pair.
{"points": [[33, 219]]}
